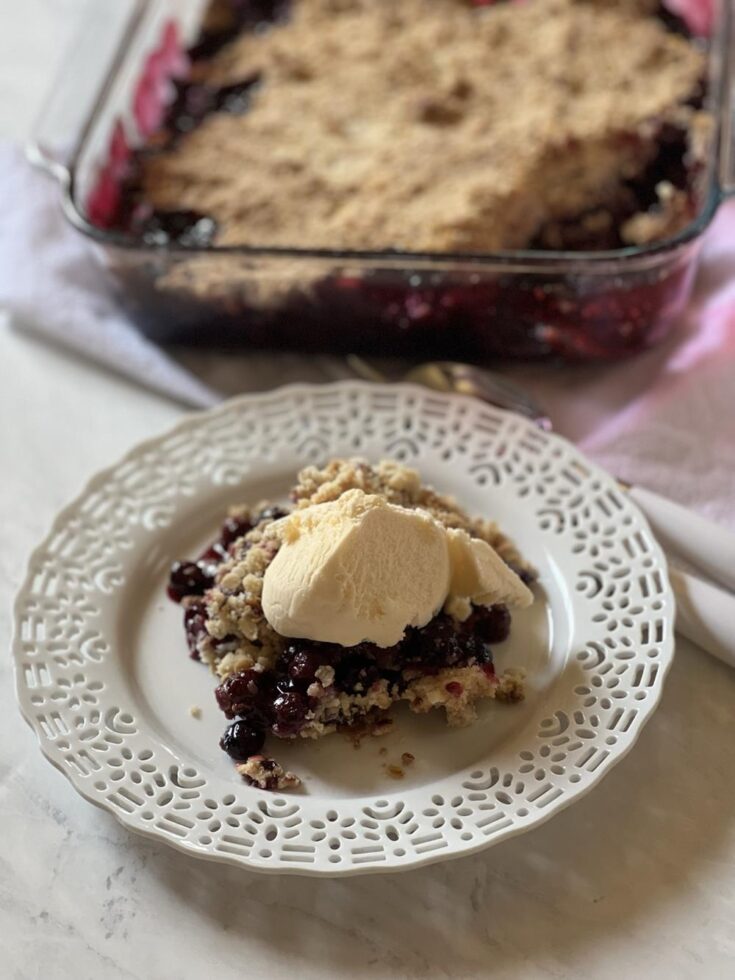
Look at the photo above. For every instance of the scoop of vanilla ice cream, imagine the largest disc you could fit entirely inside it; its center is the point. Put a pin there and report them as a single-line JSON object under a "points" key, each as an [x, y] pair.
{"points": [[359, 568], [354, 569], [480, 575]]}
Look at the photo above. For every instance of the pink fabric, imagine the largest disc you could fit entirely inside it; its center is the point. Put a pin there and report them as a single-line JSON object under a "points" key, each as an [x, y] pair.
{"points": [[698, 14], [666, 419]]}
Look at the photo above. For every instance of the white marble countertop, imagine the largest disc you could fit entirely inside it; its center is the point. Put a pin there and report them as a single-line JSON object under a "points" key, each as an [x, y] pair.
{"points": [[637, 880]]}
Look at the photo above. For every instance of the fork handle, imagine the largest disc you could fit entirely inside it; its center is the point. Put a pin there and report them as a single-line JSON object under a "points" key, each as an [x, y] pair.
{"points": [[704, 614], [704, 544]]}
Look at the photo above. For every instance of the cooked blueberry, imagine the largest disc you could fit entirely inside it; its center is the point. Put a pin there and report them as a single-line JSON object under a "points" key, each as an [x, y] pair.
{"points": [[492, 624], [184, 227], [474, 648], [210, 560], [235, 98], [240, 741], [290, 711], [216, 554], [195, 617], [234, 528], [368, 651], [438, 642], [395, 657], [257, 14], [187, 578], [192, 103], [484, 654], [284, 685], [357, 673], [394, 681], [238, 693], [209, 44], [240, 16], [304, 664]]}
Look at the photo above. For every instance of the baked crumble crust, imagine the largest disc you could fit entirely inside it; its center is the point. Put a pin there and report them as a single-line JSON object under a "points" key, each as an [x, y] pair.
{"points": [[458, 689], [430, 125], [266, 773]]}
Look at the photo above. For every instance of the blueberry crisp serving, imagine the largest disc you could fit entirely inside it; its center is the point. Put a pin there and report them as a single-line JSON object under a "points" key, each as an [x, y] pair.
{"points": [[369, 589]]}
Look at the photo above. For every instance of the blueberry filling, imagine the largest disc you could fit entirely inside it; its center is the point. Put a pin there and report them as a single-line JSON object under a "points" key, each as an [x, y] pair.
{"points": [[190, 229], [253, 16], [193, 103], [234, 528], [195, 617], [188, 578], [279, 701]]}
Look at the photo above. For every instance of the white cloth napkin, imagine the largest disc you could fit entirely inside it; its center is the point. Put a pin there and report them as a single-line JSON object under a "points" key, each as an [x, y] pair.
{"points": [[665, 419], [52, 285]]}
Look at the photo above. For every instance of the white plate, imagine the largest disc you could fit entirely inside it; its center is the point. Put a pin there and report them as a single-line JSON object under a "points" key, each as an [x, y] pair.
{"points": [[104, 679]]}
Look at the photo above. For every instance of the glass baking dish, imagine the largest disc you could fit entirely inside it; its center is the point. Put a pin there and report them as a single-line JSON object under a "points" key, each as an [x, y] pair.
{"points": [[523, 304]]}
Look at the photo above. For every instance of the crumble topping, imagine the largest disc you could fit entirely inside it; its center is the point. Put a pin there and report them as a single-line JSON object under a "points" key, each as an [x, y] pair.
{"points": [[267, 774], [396, 771], [432, 124]]}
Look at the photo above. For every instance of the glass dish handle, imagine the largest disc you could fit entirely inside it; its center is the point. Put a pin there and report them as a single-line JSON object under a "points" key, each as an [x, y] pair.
{"points": [[89, 64], [727, 143]]}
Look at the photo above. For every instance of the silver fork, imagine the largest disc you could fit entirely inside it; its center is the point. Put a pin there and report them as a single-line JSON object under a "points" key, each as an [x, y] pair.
{"points": [[705, 613]]}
